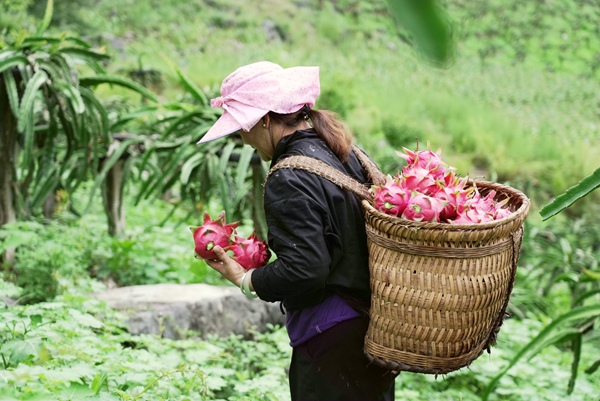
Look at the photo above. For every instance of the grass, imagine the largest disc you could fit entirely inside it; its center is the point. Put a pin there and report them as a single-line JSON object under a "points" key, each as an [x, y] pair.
{"points": [[517, 122]]}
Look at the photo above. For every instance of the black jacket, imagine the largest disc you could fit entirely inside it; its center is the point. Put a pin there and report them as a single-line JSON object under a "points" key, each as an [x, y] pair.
{"points": [[316, 229]]}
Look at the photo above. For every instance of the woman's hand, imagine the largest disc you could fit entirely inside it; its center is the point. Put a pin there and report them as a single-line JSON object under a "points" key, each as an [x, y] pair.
{"points": [[229, 268]]}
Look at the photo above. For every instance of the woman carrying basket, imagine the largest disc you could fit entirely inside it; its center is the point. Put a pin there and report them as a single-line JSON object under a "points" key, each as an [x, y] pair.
{"points": [[315, 228]]}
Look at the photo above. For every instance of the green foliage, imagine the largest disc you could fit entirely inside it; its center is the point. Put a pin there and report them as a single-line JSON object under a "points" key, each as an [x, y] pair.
{"points": [[194, 175], [560, 279], [150, 256], [50, 258], [572, 195], [75, 348], [58, 116], [554, 333], [13, 16], [556, 36]]}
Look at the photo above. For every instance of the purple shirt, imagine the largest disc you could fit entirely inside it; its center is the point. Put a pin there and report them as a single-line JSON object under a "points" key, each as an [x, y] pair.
{"points": [[304, 324]]}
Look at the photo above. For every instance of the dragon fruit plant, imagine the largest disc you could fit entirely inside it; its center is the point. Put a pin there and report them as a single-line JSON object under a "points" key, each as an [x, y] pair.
{"points": [[212, 233], [427, 189], [250, 252]]}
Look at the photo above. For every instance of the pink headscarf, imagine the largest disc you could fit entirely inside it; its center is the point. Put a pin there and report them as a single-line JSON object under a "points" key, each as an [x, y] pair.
{"points": [[253, 90]]}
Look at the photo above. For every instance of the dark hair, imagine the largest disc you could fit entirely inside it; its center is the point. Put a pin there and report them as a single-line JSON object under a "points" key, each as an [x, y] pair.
{"points": [[328, 125]]}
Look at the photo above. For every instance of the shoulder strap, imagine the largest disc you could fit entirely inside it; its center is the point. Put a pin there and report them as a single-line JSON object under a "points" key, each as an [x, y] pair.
{"points": [[334, 175], [375, 174]]}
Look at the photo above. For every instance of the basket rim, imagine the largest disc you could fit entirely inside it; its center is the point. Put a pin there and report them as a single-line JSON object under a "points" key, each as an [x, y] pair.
{"points": [[519, 214]]}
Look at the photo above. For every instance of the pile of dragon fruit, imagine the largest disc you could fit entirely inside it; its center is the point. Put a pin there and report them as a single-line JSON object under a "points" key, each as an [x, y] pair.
{"points": [[249, 252], [428, 190]]}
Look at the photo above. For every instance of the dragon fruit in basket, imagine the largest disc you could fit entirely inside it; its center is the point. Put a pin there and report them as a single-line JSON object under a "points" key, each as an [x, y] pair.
{"points": [[428, 190]]}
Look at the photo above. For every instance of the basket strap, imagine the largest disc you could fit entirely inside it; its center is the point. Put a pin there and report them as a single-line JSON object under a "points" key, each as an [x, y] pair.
{"points": [[332, 174], [375, 174]]}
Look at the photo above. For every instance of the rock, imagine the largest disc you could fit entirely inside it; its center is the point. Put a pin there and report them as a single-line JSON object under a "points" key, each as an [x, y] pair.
{"points": [[170, 310]]}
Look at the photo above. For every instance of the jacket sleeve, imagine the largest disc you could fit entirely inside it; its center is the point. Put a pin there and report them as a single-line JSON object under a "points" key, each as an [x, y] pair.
{"points": [[299, 234]]}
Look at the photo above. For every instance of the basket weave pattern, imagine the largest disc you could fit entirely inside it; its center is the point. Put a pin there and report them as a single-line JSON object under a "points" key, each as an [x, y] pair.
{"points": [[439, 290]]}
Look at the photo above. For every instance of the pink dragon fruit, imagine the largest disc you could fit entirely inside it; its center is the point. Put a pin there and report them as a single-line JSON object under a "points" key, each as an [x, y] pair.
{"points": [[425, 159], [250, 252], [427, 189], [457, 197], [391, 198], [415, 178], [501, 213], [472, 215], [212, 233], [423, 208]]}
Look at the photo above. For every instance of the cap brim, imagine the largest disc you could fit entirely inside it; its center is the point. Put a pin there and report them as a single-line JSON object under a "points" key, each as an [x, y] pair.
{"points": [[224, 126]]}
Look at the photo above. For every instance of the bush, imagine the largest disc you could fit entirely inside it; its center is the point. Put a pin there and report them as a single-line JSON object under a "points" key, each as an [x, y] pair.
{"points": [[49, 258]]}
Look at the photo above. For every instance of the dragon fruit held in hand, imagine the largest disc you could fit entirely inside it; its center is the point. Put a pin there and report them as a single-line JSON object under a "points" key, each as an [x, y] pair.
{"points": [[250, 252], [428, 190], [212, 233]]}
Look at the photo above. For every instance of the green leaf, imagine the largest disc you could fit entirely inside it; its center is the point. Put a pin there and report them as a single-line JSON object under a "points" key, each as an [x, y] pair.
{"points": [[12, 92], [22, 350], [27, 102], [72, 93], [95, 104], [188, 117], [46, 186], [108, 164], [29, 130], [243, 166], [593, 275], [16, 238], [85, 54], [189, 166], [576, 348], [13, 61], [47, 18], [226, 155], [572, 195], [192, 88], [6, 53], [120, 81], [556, 337], [428, 26], [579, 300], [98, 382], [593, 367], [85, 319], [573, 315]]}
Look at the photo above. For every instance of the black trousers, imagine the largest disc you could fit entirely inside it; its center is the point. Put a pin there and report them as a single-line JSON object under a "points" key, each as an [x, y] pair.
{"points": [[332, 366]]}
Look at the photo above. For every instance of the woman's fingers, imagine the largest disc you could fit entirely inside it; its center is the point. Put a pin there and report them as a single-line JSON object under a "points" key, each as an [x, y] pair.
{"points": [[229, 268]]}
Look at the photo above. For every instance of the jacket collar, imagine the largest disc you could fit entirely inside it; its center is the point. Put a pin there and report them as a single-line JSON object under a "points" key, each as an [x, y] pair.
{"points": [[286, 141]]}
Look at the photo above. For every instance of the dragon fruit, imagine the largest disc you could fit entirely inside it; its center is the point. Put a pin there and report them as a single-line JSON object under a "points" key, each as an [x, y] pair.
{"points": [[212, 233], [425, 159], [419, 179], [391, 198], [250, 252], [428, 190], [421, 207]]}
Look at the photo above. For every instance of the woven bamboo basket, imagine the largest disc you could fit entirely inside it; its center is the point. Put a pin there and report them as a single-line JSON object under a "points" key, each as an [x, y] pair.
{"points": [[440, 291]]}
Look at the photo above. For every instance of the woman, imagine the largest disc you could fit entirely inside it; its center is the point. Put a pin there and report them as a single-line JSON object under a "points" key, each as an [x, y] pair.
{"points": [[316, 229]]}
